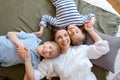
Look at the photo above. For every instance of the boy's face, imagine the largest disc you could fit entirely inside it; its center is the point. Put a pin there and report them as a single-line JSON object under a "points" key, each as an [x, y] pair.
{"points": [[47, 50], [75, 33]]}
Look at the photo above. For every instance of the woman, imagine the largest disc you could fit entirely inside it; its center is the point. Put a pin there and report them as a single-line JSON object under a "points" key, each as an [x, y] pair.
{"points": [[73, 63]]}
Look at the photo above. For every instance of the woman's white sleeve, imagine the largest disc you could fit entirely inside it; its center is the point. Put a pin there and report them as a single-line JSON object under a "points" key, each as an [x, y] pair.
{"points": [[41, 72], [98, 49]]}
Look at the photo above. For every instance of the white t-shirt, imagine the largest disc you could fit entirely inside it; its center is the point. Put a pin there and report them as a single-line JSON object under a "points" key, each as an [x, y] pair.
{"points": [[74, 64]]}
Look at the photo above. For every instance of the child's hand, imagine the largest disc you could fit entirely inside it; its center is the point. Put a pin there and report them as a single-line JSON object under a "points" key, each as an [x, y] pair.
{"points": [[38, 34], [88, 26], [92, 21], [23, 53]]}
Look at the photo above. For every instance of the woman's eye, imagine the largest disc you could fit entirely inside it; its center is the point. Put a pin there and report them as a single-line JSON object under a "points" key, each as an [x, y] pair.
{"points": [[77, 32], [58, 37], [66, 34]]}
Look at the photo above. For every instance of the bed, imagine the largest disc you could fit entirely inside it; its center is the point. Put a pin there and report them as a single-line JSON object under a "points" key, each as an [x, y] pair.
{"points": [[17, 15]]}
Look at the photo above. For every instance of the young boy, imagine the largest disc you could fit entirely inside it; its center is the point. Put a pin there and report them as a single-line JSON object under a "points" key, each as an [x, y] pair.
{"points": [[19, 40]]}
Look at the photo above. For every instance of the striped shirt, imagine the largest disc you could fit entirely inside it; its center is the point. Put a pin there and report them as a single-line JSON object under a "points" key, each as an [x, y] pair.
{"points": [[66, 14]]}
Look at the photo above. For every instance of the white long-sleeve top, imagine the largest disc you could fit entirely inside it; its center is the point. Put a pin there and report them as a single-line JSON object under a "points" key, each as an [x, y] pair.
{"points": [[73, 65], [66, 14]]}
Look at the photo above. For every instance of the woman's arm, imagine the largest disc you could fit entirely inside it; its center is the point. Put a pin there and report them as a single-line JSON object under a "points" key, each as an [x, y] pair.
{"points": [[29, 70], [90, 29], [32, 74], [100, 47], [25, 55]]}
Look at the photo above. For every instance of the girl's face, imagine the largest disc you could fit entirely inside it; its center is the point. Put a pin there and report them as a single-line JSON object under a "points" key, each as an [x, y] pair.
{"points": [[62, 39], [75, 33]]}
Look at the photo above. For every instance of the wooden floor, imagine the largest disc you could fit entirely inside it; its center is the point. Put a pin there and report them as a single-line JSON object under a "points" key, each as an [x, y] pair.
{"points": [[115, 4]]}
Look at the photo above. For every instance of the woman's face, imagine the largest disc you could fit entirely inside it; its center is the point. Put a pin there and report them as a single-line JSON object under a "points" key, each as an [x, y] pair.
{"points": [[62, 39]]}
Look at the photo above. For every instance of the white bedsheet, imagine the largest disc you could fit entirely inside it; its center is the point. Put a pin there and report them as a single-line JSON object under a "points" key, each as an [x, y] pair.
{"points": [[104, 4]]}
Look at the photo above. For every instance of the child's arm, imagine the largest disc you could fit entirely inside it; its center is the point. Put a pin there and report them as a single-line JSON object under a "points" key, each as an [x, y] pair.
{"points": [[40, 32], [42, 24], [13, 36], [90, 29], [90, 17]]}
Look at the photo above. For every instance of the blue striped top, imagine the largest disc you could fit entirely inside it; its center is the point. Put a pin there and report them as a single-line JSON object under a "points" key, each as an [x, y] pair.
{"points": [[66, 14]]}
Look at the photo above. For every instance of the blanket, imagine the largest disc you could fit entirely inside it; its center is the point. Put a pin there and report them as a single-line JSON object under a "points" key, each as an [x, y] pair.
{"points": [[106, 22], [17, 15]]}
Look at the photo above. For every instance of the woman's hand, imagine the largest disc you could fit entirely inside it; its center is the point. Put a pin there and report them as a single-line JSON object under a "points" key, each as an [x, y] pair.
{"points": [[88, 26]]}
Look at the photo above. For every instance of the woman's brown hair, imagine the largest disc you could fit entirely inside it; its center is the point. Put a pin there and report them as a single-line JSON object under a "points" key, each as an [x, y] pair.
{"points": [[54, 31]]}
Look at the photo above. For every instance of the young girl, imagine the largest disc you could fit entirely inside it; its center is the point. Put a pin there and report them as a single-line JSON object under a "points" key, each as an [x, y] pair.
{"points": [[75, 32], [73, 63], [66, 14]]}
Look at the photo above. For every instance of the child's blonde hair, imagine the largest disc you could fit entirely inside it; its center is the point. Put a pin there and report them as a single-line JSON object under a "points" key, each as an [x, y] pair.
{"points": [[56, 50]]}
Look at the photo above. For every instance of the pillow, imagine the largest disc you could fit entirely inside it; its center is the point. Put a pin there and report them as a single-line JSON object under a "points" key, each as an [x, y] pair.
{"points": [[106, 61]]}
